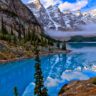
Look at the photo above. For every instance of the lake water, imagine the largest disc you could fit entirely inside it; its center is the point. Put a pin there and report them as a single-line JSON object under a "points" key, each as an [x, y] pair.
{"points": [[58, 69]]}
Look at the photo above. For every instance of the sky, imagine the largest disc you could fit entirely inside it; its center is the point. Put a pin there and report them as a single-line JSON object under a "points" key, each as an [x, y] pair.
{"points": [[71, 5]]}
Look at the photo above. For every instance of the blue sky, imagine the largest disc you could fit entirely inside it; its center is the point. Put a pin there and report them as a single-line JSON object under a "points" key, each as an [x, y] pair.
{"points": [[72, 5]]}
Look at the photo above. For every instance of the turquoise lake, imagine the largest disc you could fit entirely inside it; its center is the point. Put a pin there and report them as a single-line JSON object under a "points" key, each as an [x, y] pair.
{"points": [[58, 69]]}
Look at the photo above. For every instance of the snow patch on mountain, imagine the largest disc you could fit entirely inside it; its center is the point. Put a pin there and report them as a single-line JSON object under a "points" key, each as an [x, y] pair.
{"points": [[64, 24], [53, 18]]}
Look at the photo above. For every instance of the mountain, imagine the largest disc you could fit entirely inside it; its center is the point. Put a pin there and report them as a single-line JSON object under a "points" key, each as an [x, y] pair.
{"points": [[89, 16], [19, 31], [40, 12], [14, 15], [53, 18]]}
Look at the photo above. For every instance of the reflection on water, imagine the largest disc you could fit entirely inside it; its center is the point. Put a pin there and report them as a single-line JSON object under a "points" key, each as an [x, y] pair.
{"points": [[62, 68], [57, 69], [18, 74]]}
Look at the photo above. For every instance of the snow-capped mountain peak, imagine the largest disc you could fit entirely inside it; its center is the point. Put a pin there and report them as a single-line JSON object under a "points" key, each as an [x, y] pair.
{"points": [[37, 4], [52, 18]]}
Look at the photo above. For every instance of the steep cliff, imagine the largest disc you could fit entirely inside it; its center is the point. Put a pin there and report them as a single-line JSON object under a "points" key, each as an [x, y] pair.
{"points": [[16, 16], [53, 18], [19, 30], [40, 12]]}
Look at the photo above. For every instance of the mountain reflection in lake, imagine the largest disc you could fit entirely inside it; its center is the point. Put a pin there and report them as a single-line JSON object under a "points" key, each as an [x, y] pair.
{"points": [[58, 69]]}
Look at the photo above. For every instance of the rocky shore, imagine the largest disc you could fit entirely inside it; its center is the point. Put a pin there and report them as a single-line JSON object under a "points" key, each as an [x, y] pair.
{"points": [[9, 52], [41, 54], [79, 88]]}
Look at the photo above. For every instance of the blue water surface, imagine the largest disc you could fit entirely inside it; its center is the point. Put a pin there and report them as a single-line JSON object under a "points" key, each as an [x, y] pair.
{"points": [[58, 69]]}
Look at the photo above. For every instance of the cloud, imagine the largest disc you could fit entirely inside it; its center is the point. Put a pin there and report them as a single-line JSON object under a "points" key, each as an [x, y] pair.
{"points": [[63, 5], [47, 3], [73, 6]]}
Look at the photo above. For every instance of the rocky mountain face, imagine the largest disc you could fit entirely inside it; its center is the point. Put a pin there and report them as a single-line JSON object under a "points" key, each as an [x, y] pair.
{"points": [[40, 12], [19, 31], [53, 18], [89, 16], [16, 16]]}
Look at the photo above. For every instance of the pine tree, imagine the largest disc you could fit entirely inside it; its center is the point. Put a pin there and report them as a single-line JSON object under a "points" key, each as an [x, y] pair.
{"points": [[12, 31], [29, 35], [16, 91], [15, 40], [19, 32], [64, 46], [58, 44], [39, 90], [44, 92], [3, 28]]}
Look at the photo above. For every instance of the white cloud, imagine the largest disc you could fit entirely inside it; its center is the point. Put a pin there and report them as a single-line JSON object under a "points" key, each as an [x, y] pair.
{"points": [[47, 3], [63, 6], [73, 6]]}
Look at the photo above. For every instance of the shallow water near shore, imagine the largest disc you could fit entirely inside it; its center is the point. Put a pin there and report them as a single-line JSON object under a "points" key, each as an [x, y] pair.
{"points": [[58, 69]]}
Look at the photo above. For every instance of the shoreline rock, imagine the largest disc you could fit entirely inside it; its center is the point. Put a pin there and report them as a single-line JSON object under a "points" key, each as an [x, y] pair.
{"points": [[41, 54], [79, 88]]}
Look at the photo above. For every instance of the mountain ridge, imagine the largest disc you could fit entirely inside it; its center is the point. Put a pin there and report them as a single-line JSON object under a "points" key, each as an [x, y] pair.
{"points": [[56, 20]]}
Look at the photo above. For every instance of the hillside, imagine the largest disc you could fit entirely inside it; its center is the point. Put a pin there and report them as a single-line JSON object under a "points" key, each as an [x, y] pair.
{"points": [[20, 32]]}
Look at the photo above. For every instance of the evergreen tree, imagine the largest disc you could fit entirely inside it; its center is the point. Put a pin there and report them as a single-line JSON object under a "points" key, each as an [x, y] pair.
{"points": [[24, 33], [3, 28], [12, 31], [58, 44], [16, 91], [15, 40], [64, 46], [29, 35], [44, 92], [19, 32], [39, 90]]}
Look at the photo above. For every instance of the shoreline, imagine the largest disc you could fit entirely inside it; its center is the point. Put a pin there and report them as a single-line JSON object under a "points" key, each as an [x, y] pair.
{"points": [[81, 87], [44, 53]]}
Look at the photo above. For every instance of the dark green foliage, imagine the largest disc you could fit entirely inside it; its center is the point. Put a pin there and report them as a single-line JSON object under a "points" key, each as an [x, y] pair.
{"points": [[19, 35], [64, 46], [15, 40], [39, 89], [10, 13], [12, 31], [82, 39], [50, 42], [44, 92], [23, 36], [5, 35], [58, 44], [3, 28], [16, 91], [29, 36]]}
